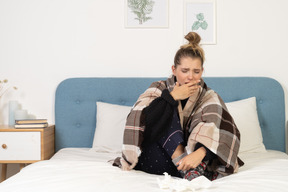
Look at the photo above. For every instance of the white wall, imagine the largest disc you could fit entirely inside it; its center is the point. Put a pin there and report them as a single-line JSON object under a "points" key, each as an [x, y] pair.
{"points": [[43, 42]]}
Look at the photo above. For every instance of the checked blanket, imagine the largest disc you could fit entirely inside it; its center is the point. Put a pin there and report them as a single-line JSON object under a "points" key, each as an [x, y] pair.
{"points": [[204, 119]]}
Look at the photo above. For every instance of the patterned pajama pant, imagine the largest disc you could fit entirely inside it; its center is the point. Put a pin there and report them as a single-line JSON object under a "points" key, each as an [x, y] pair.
{"points": [[156, 157]]}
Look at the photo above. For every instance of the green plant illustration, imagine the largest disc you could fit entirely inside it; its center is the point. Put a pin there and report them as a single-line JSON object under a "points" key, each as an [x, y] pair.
{"points": [[200, 23], [141, 8]]}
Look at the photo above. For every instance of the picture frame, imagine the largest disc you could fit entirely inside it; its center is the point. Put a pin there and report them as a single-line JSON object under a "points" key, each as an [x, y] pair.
{"points": [[152, 14], [200, 17]]}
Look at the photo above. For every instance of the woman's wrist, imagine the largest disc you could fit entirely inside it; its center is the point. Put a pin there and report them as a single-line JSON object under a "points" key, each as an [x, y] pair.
{"points": [[202, 151], [173, 95]]}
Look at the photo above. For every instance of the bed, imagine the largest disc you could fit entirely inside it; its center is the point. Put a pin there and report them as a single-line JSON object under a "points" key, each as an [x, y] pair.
{"points": [[85, 145]]}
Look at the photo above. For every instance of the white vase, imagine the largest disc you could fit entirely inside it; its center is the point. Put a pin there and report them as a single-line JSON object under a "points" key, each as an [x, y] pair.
{"points": [[13, 106], [20, 114]]}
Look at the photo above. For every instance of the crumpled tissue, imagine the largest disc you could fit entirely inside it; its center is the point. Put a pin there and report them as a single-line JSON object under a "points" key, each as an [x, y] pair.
{"points": [[180, 185]]}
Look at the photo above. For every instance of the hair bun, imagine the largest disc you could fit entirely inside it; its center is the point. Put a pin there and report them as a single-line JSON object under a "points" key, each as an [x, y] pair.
{"points": [[193, 38], [191, 49]]}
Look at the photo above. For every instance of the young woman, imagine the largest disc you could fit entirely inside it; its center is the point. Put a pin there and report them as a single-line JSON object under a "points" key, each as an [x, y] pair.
{"points": [[180, 126]]}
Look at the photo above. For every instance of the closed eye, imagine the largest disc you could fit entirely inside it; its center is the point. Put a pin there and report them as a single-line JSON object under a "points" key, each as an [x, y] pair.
{"points": [[185, 70]]}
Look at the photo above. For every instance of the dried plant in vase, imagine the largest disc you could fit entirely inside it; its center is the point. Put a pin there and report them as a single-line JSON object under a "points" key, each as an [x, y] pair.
{"points": [[4, 87]]}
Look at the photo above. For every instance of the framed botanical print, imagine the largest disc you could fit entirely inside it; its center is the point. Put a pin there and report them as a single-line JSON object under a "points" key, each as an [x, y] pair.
{"points": [[200, 17], [146, 13]]}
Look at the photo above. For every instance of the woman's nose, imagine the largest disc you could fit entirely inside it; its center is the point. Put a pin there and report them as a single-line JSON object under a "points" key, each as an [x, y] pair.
{"points": [[190, 76]]}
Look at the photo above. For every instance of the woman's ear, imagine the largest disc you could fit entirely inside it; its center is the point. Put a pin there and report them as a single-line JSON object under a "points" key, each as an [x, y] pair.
{"points": [[173, 69]]}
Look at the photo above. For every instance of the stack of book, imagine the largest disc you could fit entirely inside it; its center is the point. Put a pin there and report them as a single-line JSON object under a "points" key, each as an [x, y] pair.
{"points": [[31, 123]]}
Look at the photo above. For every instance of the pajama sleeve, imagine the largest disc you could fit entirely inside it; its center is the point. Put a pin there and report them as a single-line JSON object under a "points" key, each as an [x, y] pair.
{"points": [[157, 117]]}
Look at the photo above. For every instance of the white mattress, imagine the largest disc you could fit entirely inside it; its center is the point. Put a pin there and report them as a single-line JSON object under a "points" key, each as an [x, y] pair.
{"points": [[75, 169]]}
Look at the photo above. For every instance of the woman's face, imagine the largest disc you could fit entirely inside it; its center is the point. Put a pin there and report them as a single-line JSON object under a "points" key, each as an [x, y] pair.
{"points": [[190, 69]]}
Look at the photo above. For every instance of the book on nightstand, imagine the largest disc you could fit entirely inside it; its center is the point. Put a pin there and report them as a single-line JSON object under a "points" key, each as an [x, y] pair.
{"points": [[31, 123], [34, 125]]}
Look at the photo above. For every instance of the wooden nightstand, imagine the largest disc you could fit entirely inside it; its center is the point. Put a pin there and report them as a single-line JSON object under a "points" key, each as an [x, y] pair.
{"points": [[25, 145]]}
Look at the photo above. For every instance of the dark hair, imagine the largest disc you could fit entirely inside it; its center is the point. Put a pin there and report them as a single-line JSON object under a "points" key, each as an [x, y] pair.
{"points": [[191, 49]]}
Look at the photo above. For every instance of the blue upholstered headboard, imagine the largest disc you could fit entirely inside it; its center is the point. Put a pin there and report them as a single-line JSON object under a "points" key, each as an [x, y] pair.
{"points": [[75, 104]]}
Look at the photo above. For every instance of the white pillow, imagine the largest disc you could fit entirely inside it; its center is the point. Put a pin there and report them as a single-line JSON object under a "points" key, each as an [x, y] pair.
{"points": [[110, 127], [111, 121], [244, 113]]}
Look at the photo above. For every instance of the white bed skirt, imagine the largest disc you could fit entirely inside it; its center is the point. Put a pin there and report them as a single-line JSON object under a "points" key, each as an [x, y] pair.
{"points": [[81, 169]]}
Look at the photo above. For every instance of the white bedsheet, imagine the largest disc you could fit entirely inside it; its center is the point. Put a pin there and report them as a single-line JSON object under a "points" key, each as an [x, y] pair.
{"points": [[74, 170]]}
